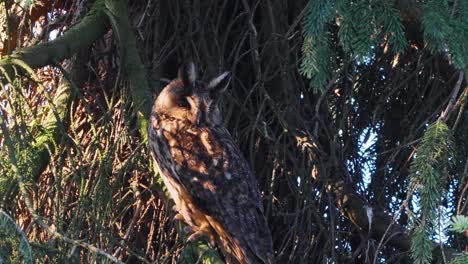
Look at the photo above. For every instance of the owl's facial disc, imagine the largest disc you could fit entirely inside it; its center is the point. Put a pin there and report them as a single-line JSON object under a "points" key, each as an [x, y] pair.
{"points": [[199, 109], [187, 98]]}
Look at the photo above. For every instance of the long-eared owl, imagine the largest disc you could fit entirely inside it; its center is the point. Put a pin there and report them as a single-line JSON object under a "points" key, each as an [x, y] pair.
{"points": [[211, 183]]}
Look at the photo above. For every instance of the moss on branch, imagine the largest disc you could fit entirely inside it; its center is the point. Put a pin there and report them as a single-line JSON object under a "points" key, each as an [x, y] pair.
{"points": [[131, 63], [77, 38]]}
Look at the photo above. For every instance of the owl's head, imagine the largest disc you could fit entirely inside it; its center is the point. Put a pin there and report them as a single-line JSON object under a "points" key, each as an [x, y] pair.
{"points": [[187, 98]]}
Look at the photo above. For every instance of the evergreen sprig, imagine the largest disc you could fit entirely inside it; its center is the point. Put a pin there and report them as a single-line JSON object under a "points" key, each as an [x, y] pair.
{"points": [[362, 25], [393, 27], [421, 246], [446, 30], [463, 259], [428, 174], [316, 64], [357, 27], [317, 59], [459, 223], [318, 14]]}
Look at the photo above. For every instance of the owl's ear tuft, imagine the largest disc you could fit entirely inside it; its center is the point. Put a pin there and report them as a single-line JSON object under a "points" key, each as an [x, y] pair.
{"points": [[219, 84], [188, 73]]}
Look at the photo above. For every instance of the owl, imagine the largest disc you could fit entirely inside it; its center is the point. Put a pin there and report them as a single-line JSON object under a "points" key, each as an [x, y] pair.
{"points": [[211, 183]]}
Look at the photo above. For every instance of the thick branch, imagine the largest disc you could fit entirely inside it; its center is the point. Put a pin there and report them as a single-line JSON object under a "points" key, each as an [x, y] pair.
{"points": [[79, 37], [356, 209], [131, 63], [382, 226]]}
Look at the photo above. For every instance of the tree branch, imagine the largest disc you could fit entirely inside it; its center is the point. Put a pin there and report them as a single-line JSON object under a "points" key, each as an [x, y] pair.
{"points": [[91, 27], [353, 207], [131, 63]]}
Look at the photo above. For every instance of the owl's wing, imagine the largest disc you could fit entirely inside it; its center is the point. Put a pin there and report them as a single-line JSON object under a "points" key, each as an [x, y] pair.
{"points": [[214, 172]]}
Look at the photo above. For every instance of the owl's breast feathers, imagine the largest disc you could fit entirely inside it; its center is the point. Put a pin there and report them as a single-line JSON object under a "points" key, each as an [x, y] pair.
{"points": [[212, 184]]}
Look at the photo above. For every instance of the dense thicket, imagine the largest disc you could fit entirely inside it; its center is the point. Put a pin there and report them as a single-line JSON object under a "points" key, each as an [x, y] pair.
{"points": [[352, 115]]}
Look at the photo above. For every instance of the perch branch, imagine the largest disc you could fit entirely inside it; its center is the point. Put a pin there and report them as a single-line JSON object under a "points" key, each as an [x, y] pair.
{"points": [[77, 38]]}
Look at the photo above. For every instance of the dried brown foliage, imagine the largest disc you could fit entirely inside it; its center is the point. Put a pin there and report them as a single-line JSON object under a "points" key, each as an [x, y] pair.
{"points": [[305, 148]]}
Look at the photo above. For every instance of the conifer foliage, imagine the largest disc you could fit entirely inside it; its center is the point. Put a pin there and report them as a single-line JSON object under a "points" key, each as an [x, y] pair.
{"points": [[352, 115], [362, 25], [429, 172]]}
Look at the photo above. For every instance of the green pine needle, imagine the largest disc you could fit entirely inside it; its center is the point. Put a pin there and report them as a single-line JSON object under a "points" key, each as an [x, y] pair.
{"points": [[421, 246], [446, 30], [429, 173], [463, 259], [317, 55], [459, 223]]}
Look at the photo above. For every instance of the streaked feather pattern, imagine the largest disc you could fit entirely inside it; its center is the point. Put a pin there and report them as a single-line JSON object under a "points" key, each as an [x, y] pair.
{"points": [[210, 181]]}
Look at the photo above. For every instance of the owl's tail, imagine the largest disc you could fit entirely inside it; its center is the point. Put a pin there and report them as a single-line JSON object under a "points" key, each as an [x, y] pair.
{"points": [[241, 250]]}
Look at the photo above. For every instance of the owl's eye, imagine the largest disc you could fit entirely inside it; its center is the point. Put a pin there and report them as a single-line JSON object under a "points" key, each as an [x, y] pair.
{"points": [[183, 102]]}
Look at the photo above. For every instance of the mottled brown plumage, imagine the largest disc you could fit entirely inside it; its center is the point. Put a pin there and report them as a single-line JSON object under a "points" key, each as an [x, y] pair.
{"points": [[205, 173]]}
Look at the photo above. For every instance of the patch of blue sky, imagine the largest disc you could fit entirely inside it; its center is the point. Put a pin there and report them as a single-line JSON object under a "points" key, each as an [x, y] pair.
{"points": [[366, 59], [366, 142]]}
